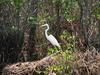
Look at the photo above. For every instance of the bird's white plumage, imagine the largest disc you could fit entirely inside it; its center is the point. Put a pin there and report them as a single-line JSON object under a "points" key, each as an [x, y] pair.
{"points": [[51, 38]]}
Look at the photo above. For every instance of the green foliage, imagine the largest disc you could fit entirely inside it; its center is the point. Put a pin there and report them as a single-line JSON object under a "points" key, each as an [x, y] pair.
{"points": [[4, 1], [96, 10], [69, 45], [68, 10], [64, 57], [62, 66], [17, 3], [32, 20], [14, 28], [52, 50], [69, 7], [69, 41]]}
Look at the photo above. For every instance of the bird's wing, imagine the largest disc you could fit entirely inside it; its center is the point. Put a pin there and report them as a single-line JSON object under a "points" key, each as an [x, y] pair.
{"points": [[53, 40]]}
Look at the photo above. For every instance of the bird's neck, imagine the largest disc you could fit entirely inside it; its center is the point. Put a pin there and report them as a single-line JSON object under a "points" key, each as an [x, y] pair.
{"points": [[46, 32]]}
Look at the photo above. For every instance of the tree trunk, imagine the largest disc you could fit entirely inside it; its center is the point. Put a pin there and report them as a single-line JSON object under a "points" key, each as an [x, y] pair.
{"points": [[88, 23], [29, 12]]}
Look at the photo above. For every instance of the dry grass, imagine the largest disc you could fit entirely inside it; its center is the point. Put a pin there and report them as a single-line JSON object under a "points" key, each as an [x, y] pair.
{"points": [[87, 63]]}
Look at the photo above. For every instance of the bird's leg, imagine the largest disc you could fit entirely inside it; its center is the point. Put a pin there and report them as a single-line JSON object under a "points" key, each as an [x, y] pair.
{"points": [[56, 49]]}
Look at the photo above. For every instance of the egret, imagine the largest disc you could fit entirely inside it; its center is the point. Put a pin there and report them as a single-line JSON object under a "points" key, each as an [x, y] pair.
{"points": [[51, 38]]}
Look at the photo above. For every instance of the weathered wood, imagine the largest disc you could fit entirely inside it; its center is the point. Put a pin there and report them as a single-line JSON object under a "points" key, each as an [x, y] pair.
{"points": [[23, 68]]}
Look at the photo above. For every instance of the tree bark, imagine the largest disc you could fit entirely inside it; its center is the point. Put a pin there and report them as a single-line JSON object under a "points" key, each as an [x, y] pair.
{"points": [[88, 23], [29, 27]]}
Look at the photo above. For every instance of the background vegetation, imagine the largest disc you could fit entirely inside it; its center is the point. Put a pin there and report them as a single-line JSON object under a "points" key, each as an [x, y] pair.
{"points": [[75, 24]]}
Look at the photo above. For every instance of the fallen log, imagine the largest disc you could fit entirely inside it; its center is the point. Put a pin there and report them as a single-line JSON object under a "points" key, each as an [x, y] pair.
{"points": [[27, 68]]}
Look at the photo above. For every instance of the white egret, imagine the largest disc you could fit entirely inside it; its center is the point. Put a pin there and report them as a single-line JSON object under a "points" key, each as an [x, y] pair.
{"points": [[51, 38]]}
